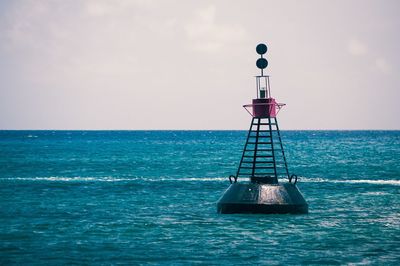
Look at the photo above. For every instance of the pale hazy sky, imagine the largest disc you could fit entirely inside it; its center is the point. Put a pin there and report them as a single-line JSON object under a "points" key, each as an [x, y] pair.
{"points": [[137, 64]]}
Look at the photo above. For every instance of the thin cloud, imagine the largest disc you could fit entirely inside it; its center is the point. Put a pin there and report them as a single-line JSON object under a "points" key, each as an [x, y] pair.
{"points": [[357, 48], [205, 34], [383, 65]]}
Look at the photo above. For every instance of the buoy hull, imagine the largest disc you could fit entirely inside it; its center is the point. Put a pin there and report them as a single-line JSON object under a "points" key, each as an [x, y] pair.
{"points": [[262, 198]]}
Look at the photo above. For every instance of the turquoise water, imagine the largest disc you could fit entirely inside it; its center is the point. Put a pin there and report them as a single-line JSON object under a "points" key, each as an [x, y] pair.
{"points": [[148, 197]]}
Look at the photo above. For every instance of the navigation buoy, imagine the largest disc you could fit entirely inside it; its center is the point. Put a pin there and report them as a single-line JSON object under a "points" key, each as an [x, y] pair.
{"points": [[263, 160]]}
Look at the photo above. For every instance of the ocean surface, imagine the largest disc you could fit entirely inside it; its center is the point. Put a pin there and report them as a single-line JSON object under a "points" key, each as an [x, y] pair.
{"points": [[149, 198]]}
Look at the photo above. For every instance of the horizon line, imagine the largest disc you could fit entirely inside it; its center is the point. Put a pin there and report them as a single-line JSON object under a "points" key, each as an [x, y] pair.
{"points": [[194, 129]]}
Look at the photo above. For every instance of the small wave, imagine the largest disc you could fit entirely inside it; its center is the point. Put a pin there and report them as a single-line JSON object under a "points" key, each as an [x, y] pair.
{"points": [[191, 179], [351, 181], [375, 193], [67, 179], [110, 179]]}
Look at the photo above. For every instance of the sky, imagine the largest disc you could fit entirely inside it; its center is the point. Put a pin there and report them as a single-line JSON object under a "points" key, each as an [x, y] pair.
{"points": [[137, 64]]}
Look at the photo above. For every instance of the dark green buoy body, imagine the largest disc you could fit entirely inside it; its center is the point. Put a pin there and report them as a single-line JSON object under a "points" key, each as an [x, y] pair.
{"points": [[248, 197]]}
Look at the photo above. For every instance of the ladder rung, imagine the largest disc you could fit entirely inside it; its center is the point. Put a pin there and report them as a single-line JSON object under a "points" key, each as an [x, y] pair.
{"points": [[258, 174], [274, 141], [261, 156], [257, 162], [263, 150], [257, 167], [255, 173]]}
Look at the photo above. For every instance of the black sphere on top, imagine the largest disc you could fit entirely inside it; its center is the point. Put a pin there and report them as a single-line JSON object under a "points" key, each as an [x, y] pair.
{"points": [[262, 63], [261, 49]]}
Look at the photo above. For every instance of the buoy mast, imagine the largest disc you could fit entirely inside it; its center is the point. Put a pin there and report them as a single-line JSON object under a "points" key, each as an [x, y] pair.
{"points": [[263, 153], [263, 160]]}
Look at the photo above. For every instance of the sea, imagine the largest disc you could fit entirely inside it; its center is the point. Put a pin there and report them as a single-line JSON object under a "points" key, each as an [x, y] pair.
{"points": [[149, 198]]}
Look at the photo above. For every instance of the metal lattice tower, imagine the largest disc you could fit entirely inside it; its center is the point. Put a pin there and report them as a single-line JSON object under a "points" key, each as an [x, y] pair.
{"points": [[263, 159]]}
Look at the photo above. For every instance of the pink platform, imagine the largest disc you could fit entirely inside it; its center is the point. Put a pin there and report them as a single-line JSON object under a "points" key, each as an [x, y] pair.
{"points": [[264, 107]]}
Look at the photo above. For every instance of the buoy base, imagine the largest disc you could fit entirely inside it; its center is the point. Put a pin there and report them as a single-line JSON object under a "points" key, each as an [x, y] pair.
{"points": [[262, 198]]}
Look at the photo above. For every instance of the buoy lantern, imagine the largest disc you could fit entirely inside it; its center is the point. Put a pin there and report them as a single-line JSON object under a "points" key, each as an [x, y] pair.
{"points": [[263, 160]]}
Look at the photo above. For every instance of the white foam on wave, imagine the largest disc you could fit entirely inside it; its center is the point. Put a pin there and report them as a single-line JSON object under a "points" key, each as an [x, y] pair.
{"points": [[110, 179], [375, 193], [352, 181], [191, 179], [69, 179]]}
